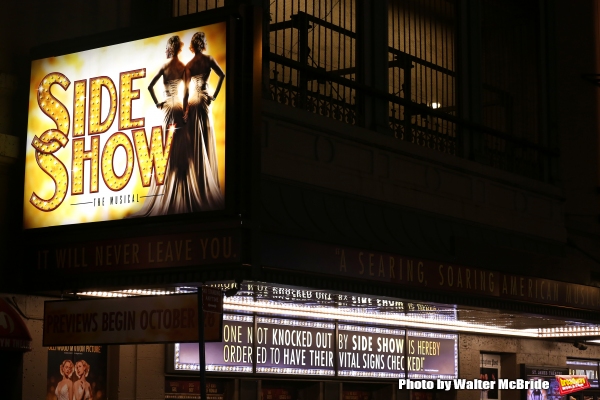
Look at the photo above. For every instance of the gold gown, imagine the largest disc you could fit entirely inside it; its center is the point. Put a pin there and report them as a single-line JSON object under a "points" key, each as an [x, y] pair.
{"points": [[180, 191], [202, 134]]}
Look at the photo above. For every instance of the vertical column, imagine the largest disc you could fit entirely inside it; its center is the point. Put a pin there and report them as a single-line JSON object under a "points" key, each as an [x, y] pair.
{"points": [[372, 64], [302, 26], [244, 115], [548, 131], [201, 348], [469, 75], [127, 372], [9, 151], [380, 65], [363, 61], [150, 371], [113, 373]]}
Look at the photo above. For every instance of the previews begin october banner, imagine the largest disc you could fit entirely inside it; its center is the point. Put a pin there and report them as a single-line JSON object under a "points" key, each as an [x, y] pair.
{"points": [[101, 147]]}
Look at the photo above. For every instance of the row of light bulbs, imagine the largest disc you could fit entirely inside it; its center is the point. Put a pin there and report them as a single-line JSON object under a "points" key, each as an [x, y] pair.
{"points": [[569, 331], [239, 303], [127, 293]]}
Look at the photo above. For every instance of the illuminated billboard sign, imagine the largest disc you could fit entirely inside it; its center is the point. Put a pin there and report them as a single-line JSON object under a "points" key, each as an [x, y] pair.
{"points": [[131, 130], [588, 368], [286, 346], [144, 319], [371, 352], [301, 347], [393, 353], [572, 383], [544, 374]]}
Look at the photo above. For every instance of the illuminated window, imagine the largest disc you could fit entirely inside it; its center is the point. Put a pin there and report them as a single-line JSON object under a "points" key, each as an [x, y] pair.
{"points": [[312, 56], [421, 69], [510, 74], [185, 7]]}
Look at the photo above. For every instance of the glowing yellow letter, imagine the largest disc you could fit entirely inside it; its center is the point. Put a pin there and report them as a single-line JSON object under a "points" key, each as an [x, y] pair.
{"points": [[51, 141], [79, 108], [112, 180], [79, 156], [155, 157], [96, 85], [128, 94]]}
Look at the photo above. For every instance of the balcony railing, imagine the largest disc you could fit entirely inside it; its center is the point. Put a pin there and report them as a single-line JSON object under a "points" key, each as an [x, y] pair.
{"points": [[422, 106], [313, 66], [186, 7]]}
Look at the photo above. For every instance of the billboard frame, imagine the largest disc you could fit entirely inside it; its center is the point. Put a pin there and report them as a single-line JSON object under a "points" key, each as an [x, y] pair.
{"points": [[234, 127], [242, 158]]}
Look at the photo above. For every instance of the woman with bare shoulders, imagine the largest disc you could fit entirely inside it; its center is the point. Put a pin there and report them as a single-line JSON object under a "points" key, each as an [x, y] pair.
{"points": [[199, 121], [81, 388], [64, 389], [179, 192]]}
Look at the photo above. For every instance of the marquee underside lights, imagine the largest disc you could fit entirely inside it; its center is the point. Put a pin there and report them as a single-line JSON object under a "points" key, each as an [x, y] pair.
{"points": [[570, 331], [130, 293], [378, 313], [239, 304]]}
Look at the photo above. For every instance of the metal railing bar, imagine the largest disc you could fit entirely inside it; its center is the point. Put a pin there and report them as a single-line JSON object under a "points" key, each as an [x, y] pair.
{"points": [[293, 23], [415, 107]]}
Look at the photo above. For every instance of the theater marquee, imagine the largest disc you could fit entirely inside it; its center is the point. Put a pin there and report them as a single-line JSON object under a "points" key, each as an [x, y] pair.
{"points": [[323, 348], [101, 147]]}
